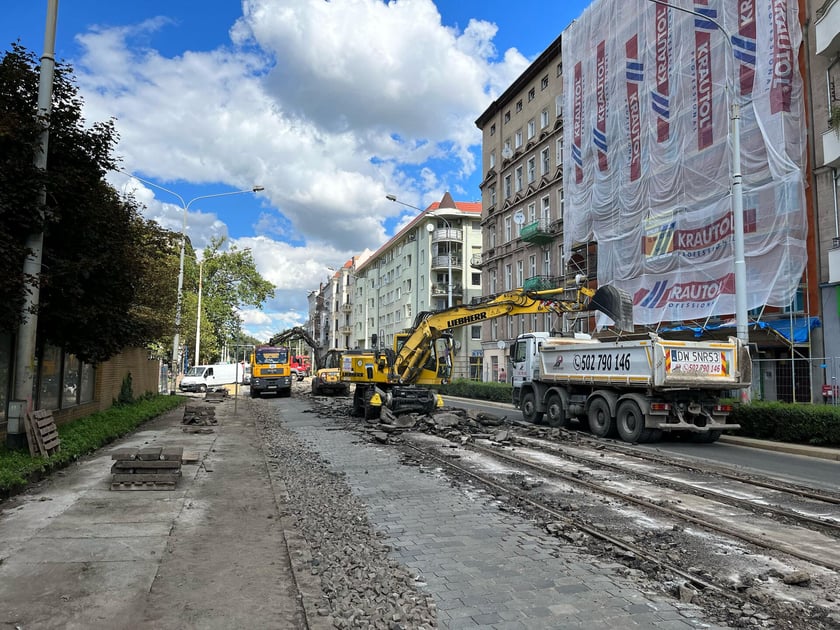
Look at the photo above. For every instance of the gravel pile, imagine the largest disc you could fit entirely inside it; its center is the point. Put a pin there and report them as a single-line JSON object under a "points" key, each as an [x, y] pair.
{"points": [[362, 586]]}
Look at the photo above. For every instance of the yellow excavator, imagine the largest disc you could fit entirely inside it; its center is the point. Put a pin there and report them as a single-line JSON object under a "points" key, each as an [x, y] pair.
{"points": [[399, 379]]}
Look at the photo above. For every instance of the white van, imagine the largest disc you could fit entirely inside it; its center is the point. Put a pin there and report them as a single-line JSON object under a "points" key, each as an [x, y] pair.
{"points": [[200, 378]]}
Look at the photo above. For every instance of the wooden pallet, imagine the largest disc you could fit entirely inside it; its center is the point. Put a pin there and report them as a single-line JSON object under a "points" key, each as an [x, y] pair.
{"points": [[41, 433]]}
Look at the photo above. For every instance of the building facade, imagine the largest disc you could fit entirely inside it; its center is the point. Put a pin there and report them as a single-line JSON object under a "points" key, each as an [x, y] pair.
{"points": [[425, 266], [522, 203]]}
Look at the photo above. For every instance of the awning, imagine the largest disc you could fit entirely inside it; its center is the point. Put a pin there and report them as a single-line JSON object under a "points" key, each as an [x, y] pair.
{"points": [[795, 330]]}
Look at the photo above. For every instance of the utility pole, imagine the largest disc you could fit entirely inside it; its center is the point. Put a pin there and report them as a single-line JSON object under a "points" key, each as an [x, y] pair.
{"points": [[26, 339]]}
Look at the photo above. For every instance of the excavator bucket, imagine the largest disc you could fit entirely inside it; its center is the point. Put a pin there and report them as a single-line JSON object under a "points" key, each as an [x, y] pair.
{"points": [[616, 304]]}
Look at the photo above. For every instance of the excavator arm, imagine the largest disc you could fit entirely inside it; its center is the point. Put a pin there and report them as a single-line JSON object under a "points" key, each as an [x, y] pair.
{"points": [[296, 333], [431, 326]]}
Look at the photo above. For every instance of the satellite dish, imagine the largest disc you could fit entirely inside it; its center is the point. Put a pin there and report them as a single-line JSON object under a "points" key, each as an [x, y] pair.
{"points": [[519, 217], [507, 153], [500, 344]]}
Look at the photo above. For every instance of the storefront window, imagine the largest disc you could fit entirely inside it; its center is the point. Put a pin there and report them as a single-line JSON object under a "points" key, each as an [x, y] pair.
{"points": [[50, 381], [88, 378], [70, 387]]}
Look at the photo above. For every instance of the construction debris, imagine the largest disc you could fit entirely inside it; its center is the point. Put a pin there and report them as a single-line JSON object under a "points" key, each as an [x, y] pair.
{"points": [[152, 468]]}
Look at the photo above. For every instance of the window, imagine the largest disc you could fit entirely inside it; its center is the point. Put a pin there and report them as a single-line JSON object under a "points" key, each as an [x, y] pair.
{"points": [[517, 139], [544, 82], [506, 147], [520, 273], [476, 279], [531, 94], [547, 262], [558, 105], [559, 151], [493, 129], [519, 105], [560, 204], [532, 129], [508, 277], [545, 208], [492, 158], [493, 195], [560, 69], [507, 186], [507, 116], [518, 178], [532, 169], [545, 161], [50, 377], [544, 119], [70, 384], [492, 281], [532, 265], [532, 212], [475, 332], [508, 228]]}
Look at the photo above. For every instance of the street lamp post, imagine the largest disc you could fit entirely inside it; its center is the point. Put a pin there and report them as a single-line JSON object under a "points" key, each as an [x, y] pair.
{"points": [[741, 320], [186, 206], [431, 228]]}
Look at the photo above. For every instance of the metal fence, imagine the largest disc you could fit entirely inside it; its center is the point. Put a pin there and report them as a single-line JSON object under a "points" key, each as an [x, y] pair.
{"points": [[797, 380]]}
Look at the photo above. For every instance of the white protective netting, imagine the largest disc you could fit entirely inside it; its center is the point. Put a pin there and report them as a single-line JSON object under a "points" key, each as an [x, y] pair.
{"points": [[646, 164]]}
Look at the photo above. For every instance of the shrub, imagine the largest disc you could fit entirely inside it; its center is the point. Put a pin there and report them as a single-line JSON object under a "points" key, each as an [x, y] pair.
{"points": [[465, 388], [126, 391], [787, 422]]}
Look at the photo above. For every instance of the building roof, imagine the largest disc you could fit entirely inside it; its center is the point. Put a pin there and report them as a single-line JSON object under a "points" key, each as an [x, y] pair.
{"points": [[469, 207]]}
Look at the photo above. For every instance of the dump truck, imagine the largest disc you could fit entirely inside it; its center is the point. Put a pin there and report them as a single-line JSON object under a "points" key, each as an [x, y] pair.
{"points": [[635, 388], [271, 371]]}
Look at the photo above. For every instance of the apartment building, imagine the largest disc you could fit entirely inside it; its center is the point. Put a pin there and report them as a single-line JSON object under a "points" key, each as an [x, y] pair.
{"points": [[522, 201], [823, 41], [425, 266]]}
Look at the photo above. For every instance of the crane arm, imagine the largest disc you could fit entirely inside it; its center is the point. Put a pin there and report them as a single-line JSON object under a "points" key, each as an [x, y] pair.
{"points": [[300, 333]]}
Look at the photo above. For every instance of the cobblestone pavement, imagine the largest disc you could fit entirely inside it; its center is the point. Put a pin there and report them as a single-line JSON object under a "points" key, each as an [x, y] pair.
{"points": [[485, 568]]}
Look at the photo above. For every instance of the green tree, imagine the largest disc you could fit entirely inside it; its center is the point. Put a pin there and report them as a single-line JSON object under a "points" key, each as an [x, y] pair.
{"points": [[100, 256], [230, 282]]}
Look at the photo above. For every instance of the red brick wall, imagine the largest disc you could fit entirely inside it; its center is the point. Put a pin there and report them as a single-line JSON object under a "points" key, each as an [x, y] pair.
{"points": [[109, 378]]}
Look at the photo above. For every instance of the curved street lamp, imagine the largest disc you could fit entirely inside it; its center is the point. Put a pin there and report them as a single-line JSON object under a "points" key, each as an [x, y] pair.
{"points": [[431, 228], [186, 206]]}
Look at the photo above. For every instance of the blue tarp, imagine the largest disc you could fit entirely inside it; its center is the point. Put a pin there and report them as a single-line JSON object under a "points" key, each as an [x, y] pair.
{"points": [[802, 326]]}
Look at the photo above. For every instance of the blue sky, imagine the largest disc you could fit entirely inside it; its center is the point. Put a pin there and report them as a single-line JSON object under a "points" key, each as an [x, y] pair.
{"points": [[330, 105]]}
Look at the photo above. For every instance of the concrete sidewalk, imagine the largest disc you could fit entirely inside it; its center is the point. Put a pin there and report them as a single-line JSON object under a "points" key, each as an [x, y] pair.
{"points": [[209, 554]]}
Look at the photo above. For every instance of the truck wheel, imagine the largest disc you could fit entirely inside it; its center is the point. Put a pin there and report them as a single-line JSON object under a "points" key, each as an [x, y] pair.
{"points": [[202, 388], [529, 409], [630, 423], [556, 415], [255, 393], [600, 420]]}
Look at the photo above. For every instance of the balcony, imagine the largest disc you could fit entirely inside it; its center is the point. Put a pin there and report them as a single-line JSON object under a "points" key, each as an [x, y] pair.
{"points": [[346, 330], [542, 283], [537, 232], [828, 28], [444, 262], [447, 234], [347, 307], [475, 261], [440, 289], [831, 147]]}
